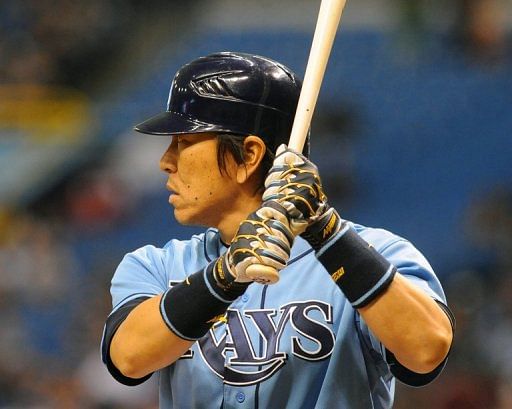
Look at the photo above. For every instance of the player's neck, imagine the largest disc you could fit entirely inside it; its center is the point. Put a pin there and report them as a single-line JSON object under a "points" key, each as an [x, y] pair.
{"points": [[230, 223]]}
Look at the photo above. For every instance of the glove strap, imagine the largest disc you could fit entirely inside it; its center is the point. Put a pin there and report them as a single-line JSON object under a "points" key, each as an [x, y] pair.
{"points": [[226, 280], [325, 228]]}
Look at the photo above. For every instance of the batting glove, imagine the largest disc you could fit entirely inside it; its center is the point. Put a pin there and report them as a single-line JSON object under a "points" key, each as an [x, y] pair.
{"points": [[259, 250], [294, 182]]}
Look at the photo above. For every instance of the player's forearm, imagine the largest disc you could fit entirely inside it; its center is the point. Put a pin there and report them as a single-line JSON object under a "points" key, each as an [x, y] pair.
{"points": [[405, 319], [159, 330], [143, 342], [410, 324]]}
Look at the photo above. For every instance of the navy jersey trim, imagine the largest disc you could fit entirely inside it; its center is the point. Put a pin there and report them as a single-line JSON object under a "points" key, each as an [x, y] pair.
{"points": [[293, 260], [262, 306], [409, 377], [448, 312], [205, 249], [399, 371], [257, 389], [215, 238], [112, 324], [412, 378]]}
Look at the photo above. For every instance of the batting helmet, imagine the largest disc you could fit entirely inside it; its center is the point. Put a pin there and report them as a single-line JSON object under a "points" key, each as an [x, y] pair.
{"points": [[233, 93]]}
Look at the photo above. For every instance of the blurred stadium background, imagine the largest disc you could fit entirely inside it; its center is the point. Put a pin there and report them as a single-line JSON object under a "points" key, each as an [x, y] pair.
{"points": [[413, 132]]}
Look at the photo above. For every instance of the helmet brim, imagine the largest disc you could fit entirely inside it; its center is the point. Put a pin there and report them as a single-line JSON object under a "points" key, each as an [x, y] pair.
{"points": [[171, 123]]}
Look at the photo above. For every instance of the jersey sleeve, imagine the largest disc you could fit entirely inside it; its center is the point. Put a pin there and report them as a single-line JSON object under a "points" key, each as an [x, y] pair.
{"points": [[114, 320], [412, 265], [141, 273]]}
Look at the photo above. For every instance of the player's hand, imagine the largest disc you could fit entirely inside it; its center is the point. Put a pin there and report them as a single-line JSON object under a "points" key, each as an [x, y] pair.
{"points": [[294, 182], [260, 248]]}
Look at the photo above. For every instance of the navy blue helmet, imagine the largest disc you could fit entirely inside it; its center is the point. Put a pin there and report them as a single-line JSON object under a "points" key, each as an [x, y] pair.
{"points": [[230, 92]]}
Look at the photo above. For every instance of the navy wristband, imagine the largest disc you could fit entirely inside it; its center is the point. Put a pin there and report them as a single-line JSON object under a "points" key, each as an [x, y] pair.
{"points": [[357, 268], [191, 307]]}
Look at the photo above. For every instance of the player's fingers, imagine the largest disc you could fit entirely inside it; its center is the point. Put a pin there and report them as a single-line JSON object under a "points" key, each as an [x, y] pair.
{"points": [[271, 255], [288, 156], [273, 210]]}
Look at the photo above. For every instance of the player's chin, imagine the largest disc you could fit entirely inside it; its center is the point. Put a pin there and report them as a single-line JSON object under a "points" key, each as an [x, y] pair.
{"points": [[185, 217], [180, 216]]}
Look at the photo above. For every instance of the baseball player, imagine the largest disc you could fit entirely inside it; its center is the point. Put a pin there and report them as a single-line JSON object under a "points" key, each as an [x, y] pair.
{"points": [[353, 308]]}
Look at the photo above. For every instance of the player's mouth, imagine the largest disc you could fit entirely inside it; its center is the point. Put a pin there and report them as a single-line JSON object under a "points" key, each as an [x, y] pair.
{"points": [[171, 189], [174, 194]]}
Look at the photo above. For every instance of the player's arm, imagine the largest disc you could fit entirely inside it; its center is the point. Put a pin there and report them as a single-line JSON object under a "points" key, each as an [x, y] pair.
{"points": [[143, 343], [408, 322], [155, 332]]}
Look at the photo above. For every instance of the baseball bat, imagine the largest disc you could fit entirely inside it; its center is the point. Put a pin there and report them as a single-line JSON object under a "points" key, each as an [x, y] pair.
{"points": [[323, 39], [326, 26]]}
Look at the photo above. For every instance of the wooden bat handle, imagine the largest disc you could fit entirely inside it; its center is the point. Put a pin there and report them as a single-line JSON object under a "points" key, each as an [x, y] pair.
{"points": [[325, 31], [262, 274]]}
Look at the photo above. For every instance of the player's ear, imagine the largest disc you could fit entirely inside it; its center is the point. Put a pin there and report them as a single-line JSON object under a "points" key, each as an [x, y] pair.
{"points": [[254, 152]]}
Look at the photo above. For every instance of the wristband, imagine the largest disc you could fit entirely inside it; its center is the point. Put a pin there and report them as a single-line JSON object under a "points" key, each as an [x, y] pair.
{"points": [[356, 267], [191, 307]]}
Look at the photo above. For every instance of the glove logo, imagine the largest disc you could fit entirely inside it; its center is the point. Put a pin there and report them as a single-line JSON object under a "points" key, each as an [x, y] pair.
{"points": [[333, 221], [235, 353]]}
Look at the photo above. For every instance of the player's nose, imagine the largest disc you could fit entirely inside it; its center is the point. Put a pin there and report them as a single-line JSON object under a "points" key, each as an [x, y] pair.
{"points": [[168, 160]]}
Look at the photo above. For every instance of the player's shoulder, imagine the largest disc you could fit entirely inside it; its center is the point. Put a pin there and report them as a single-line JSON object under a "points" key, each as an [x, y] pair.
{"points": [[201, 245], [405, 256], [399, 250], [149, 270], [378, 237]]}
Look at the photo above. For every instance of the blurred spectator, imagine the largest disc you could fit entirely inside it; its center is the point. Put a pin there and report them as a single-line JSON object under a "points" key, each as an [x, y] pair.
{"points": [[96, 386], [103, 391], [96, 199], [481, 28], [490, 228], [38, 45], [52, 320], [489, 225], [411, 26], [479, 373], [36, 268]]}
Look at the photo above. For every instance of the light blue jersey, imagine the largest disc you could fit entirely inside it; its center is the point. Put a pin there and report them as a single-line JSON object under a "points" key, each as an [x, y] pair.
{"points": [[295, 344]]}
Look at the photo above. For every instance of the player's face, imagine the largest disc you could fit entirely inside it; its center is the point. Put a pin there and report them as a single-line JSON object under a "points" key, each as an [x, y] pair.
{"points": [[200, 193]]}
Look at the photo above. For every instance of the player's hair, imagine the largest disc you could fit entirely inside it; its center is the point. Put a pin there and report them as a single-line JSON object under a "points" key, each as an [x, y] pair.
{"points": [[234, 145]]}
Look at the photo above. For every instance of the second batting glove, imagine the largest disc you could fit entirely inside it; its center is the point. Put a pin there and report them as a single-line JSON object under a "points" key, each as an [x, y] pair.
{"points": [[259, 250]]}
